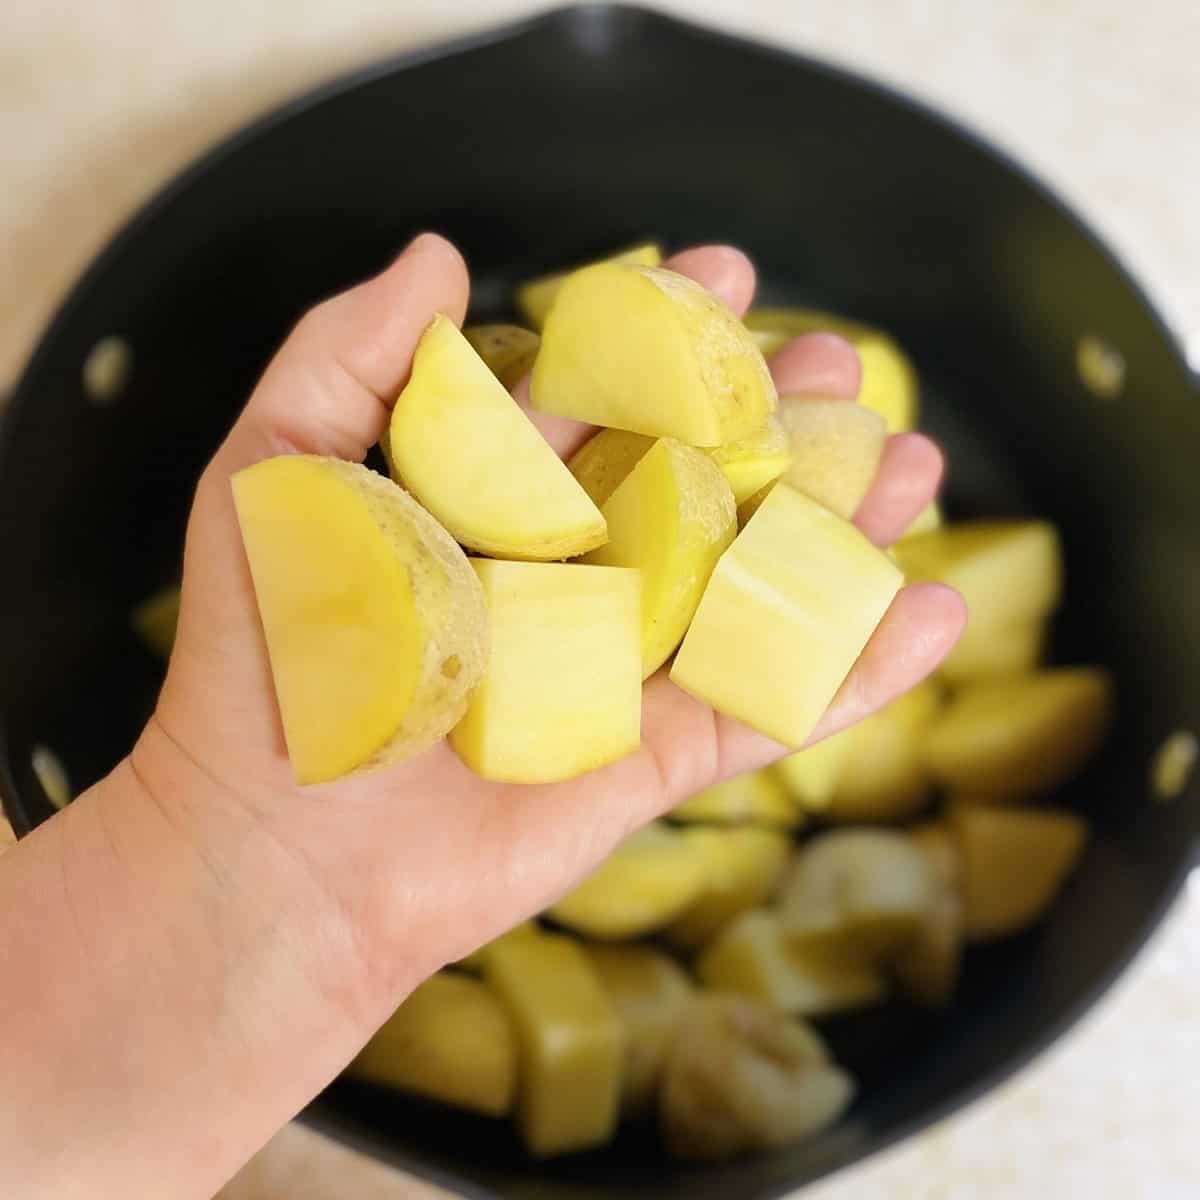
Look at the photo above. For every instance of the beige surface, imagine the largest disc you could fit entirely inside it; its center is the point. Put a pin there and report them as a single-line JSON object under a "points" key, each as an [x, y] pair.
{"points": [[101, 100]]}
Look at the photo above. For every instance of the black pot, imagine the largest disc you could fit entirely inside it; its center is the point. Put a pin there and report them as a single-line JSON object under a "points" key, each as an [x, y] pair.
{"points": [[543, 144]]}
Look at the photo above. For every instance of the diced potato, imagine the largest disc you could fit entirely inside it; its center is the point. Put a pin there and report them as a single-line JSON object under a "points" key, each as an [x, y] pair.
{"points": [[836, 446], [889, 383], [645, 349], [602, 463], [927, 520], [507, 350], [755, 461], [986, 652], [785, 615], [861, 891], [536, 297], [743, 867], [741, 1077], [652, 877], [753, 957], [571, 1042], [756, 798], [476, 959], [562, 692], [927, 968], [1023, 736], [811, 775], [1014, 863], [461, 444], [451, 1040], [671, 518], [155, 619], [374, 621], [650, 991]]}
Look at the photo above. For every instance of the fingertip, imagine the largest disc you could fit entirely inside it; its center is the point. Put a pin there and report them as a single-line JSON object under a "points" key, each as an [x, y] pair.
{"points": [[907, 480], [437, 258], [725, 271], [817, 364]]}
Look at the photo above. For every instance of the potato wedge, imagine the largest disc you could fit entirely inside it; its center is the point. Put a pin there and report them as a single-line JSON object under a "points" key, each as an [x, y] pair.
{"points": [[508, 351], [570, 1038], [785, 615], [987, 652], [756, 798], [602, 463], [927, 968], [1014, 863], [374, 621], [155, 619], [562, 691], [752, 463], [535, 297], [650, 351], [671, 518], [1023, 736]]}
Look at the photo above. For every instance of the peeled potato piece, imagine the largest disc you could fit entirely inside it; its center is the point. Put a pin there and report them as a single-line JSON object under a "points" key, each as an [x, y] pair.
{"points": [[811, 775], [461, 444], [1014, 863], [570, 1038], [756, 798], [653, 876], [754, 957], [374, 621], [154, 620], [836, 446], [562, 691], [927, 967], [536, 297], [740, 1077], [785, 615], [650, 351], [862, 891], [508, 351], [755, 461], [1023, 736], [650, 991], [671, 518], [986, 652], [604, 461], [451, 1040]]}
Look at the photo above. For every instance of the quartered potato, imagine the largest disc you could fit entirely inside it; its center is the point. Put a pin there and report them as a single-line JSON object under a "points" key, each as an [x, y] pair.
{"points": [[536, 297], [155, 619], [507, 350], [602, 463], [754, 462], [927, 967], [756, 798]]}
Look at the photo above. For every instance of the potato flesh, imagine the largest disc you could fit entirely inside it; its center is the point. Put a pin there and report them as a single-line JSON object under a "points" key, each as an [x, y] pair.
{"points": [[507, 351], [1020, 737], [984, 652], [451, 1040], [671, 518], [461, 444], [755, 461], [1014, 863], [753, 957], [652, 352], [155, 619], [571, 1042], [650, 991], [785, 615], [927, 967], [604, 461], [652, 877], [374, 622], [836, 446], [536, 297], [756, 798], [562, 693], [811, 775]]}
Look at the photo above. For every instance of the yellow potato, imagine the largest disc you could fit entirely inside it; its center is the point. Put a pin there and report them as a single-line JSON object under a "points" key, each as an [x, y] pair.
{"points": [[652, 877], [154, 620], [986, 652], [535, 297], [750, 505], [604, 461], [836, 446], [562, 692], [461, 444], [571, 1042], [927, 968], [476, 959], [1014, 863], [756, 798], [1023, 736], [785, 615], [743, 866], [753, 956], [451, 1040], [889, 383], [671, 518], [811, 775], [374, 621], [650, 991], [755, 461], [650, 351], [507, 350]]}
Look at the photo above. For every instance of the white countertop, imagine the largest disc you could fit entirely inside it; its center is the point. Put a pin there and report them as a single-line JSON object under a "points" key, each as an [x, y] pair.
{"points": [[100, 102]]}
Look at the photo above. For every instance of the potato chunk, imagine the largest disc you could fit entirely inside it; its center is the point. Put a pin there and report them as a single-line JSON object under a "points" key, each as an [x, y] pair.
{"points": [[647, 350], [374, 621], [461, 444], [536, 297], [451, 1040], [755, 461], [811, 775], [562, 692], [671, 518], [571, 1042], [992, 652], [756, 798], [785, 615], [507, 351], [604, 461]]}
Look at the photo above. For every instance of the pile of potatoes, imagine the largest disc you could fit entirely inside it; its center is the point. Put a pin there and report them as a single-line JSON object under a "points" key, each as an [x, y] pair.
{"points": [[677, 982]]}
